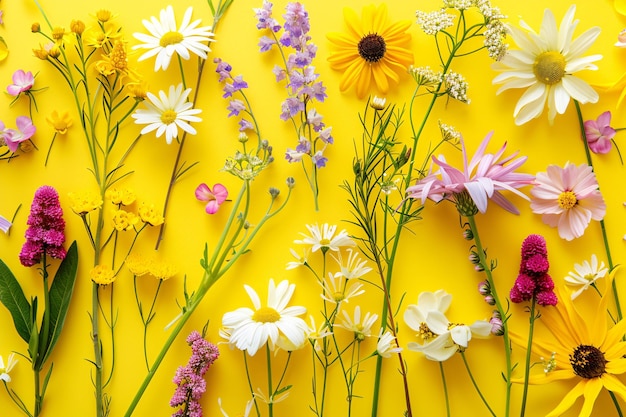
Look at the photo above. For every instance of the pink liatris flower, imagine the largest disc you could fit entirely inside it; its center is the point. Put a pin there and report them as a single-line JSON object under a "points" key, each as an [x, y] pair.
{"points": [[214, 198], [190, 378], [533, 280], [482, 179], [599, 133], [13, 137], [568, 198], [46, 228], [22, 81]]}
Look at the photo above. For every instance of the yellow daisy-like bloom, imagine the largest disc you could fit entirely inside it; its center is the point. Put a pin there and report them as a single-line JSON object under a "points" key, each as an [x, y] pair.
{"points": [[583, 348], [102, 275], [137, 90], [137, 264], [162, 270], [124, 196], [98, 36], [116, 62], [83, 202], [60, 121], [372, 51], [148, 215], [124, 220]]}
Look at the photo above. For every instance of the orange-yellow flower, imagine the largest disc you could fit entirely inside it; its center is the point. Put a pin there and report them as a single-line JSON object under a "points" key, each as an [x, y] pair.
{"points": [[372, 51]]}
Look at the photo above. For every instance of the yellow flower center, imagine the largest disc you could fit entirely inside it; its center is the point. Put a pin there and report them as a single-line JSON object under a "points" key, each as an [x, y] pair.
{"points": [[338, 296], [372, 47], [549, 67], [567, 200], [425, 333], [266, 315], [118, 56], [588, 361], [168, 116], [171, 38]]}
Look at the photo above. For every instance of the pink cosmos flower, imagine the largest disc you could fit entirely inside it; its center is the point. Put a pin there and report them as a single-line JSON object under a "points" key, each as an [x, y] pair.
{"points": [[599, 133], [568, 198], [214, 198], [22, 81], [12, 137], [483, 178]]}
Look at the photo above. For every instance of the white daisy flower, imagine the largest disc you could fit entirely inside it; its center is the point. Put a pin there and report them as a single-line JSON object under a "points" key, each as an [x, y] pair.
{"points": [[325, 238], [315, 334], [250, 329], [361, 329], [246, 413], [585, 275], [300, 260], [387, 345], [5, 369], [336, 289], [545, 65], [167, 113], [354, 267], [165, 39]]}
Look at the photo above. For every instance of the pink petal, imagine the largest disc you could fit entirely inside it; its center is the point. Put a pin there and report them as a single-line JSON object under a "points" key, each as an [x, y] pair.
{"points": [[203, 192], [220, 192], [212, 206]]}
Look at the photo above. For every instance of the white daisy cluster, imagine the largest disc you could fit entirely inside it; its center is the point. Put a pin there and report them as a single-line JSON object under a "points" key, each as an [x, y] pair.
{"points": [[434, 22], [458, 4], [456, 86], [449, 133], [425, 76]]}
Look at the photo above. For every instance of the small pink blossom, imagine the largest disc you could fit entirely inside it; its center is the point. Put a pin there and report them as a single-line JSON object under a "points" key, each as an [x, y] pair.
{"points": [[600, 133], [12, 137], [22, 81], [483, 178], [214, 198], [568, 198]]}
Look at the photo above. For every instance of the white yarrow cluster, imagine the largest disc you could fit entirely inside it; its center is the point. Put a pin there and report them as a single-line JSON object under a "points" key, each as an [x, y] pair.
{"points": [[425, 75], [434, 22], [458, 4], [449, 133], [456, 86], [495, 33]]}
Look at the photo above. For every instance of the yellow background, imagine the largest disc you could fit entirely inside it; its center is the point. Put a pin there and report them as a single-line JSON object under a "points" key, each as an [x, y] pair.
{"points": [[433, 257]]}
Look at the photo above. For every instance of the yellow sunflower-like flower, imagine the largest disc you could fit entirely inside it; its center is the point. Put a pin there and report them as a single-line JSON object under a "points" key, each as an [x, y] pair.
{"points": [[83, 202], [583, 348], [372, 51]]}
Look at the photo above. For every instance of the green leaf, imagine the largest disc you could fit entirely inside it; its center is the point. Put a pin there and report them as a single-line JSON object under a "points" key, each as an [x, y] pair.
{"points": [[60, 295], [33, 342], [13, 298]]}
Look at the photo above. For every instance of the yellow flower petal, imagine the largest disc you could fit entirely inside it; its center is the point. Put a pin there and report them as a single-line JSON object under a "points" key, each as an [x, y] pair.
{"points": [[569, 399], [614, 385], [351, 75], [380, 77], [364, 81], [592, 389], [620, 6]]}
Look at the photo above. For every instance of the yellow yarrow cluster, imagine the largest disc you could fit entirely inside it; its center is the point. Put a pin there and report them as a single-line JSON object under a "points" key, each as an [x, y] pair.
{"points": [[124, 220], [83, 202], [149, 215], [124, 196], [162, 270], [102, 275], [137, 264]]}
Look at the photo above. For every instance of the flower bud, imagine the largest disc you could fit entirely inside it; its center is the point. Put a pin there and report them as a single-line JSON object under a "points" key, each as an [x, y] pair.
{"points": [[35, 27], [274, 192], [490, 300], [484, 288], [291, 182], [77, 26]]}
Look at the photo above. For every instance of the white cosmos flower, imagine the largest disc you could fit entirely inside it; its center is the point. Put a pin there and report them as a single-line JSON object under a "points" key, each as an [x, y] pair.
{"points": [[447, 338], [5, 369], [165, 39], [167, 113], [325, 238], [250, 328], [545, 64], [415, 314], [585, 275], [354, 267]]}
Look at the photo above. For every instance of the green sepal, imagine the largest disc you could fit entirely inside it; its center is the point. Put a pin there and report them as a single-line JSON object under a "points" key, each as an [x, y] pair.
{"points": [[61, 292], [13, 298]]}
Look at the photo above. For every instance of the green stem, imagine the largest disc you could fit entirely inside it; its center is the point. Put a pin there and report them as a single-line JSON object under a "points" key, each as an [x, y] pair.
{"points": [[505, 328], [480, 394], [270, 390], [97, 349], [528, 351], [616, 402], [605, 239], [445, 389], [37, 392]]}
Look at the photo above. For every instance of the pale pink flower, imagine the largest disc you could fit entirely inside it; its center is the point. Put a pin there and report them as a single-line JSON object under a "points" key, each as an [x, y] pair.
{"points": [[600, 133], [482, 178], [13, 137], [214, 198], [568, 198], [22, 81]]}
